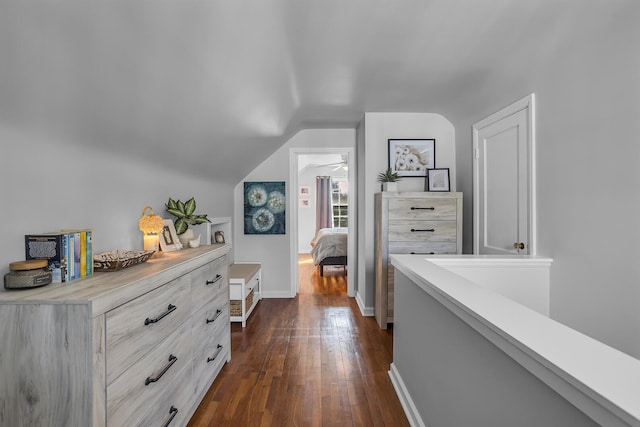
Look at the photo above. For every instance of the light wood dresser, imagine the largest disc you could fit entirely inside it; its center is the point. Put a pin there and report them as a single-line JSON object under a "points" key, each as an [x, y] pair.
{"points": [[136, 347], [412, 223]]}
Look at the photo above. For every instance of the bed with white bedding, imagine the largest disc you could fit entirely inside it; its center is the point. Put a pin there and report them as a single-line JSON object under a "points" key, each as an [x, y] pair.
{"points": [[329, 247]]}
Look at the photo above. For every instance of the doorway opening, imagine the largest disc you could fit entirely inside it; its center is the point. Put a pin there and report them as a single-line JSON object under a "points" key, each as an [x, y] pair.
{"points": [[335, 166]]}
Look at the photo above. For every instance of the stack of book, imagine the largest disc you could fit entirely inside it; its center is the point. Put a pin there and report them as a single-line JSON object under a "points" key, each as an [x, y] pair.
{"points": [[70, 252]]}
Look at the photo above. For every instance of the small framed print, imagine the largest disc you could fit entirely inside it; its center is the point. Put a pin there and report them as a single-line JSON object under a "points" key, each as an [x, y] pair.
{"points": [[168, 237], [305, 192], [218, 237], [438, 180], [304, 203]]}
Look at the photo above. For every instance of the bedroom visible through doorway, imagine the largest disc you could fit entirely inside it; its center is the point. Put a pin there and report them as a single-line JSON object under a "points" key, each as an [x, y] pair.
{"points": [[322, 216]]}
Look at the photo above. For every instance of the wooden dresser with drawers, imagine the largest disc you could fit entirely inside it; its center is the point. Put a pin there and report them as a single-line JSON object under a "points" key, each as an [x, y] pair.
{"points": [[136, 347], [411, 223]]}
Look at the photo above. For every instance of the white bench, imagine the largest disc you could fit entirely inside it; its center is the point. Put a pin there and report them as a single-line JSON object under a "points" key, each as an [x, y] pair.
{"points": [[244, 290]]}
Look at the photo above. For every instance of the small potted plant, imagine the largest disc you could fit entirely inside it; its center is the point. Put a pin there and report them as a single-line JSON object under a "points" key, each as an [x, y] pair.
{"points": [[185, 218], [389, 180]]}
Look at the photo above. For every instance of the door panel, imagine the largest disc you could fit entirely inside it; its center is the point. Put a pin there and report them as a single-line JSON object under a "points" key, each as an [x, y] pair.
{"points": [[504, 183]]}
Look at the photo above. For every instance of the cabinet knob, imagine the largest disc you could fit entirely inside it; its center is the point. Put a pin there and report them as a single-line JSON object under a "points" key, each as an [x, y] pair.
{"points": [[518, 245]]}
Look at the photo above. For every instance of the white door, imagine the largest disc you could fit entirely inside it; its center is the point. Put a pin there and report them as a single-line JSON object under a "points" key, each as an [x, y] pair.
{"points": [[504, 220]]}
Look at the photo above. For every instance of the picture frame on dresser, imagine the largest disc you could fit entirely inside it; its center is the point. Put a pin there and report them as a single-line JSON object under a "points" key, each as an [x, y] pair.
{"points": [[168, 237], [437, 180], [218, 237], [412, 157]]}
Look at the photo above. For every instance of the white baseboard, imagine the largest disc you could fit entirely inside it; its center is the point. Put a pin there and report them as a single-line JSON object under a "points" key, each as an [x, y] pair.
{"points": [[365, 311], [409, 407], [277, 294]]}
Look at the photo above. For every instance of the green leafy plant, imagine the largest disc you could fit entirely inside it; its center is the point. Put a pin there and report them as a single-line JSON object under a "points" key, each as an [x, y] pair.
{"points": [[184, 213], [388, 176]]}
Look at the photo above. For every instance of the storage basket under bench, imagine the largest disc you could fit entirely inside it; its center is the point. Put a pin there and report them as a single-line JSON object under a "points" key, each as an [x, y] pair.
{"points": [[244, 290]]}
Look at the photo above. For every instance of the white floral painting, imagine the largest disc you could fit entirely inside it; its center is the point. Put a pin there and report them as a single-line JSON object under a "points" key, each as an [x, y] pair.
{"points": [[264, 207], [412, 157]]}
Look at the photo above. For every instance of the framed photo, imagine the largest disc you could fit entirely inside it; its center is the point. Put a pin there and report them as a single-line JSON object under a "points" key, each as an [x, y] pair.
{"points": [[438, 180], [412, 157], [168, 237], [218, 237], [304, 203], [305, 192]]}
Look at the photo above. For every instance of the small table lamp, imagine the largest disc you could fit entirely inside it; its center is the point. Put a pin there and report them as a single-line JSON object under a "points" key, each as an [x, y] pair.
{"points": [[150, 225]]}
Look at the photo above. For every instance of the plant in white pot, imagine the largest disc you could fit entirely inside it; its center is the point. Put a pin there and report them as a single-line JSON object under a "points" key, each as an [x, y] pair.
{"points": [[389, 180], [185, 218]]}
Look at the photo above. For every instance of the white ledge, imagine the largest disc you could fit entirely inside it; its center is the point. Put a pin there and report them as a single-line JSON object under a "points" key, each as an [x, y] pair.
{"points": [[601, 381]]}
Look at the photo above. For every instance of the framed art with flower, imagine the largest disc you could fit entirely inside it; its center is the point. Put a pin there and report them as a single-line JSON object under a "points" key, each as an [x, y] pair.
{"points": [[264, 207], [412, 157]]}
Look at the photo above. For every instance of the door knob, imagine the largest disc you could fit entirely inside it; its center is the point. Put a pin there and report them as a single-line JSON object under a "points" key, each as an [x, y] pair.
{"points": [[518, 245]]}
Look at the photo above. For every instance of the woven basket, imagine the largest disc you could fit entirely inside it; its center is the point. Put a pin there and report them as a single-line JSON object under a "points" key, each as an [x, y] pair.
{"points": [[235, 307]]}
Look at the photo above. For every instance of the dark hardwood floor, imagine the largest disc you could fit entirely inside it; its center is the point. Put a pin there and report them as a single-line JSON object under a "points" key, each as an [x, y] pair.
{"points": [[308, 361]]}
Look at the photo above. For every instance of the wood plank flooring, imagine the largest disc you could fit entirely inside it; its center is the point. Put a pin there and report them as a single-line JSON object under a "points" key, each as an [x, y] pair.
{"points": [[312, 360]]}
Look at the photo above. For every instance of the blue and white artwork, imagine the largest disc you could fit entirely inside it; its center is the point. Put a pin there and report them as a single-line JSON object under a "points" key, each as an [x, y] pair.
{"points": [[264, 207]]}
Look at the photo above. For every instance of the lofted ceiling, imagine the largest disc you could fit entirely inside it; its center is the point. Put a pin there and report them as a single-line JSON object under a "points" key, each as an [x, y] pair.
{"points": [[215, 86]]}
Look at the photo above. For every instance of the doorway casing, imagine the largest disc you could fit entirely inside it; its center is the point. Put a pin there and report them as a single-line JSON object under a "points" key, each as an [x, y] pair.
{"points": [[349, 153]]}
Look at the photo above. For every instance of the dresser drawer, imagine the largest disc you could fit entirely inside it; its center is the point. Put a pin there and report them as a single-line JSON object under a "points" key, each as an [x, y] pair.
{"points": [[421, 208], [423, 248], [208, 282], [172, 408], [144, 382], [421, 230], [211, 343], [134, 328]]}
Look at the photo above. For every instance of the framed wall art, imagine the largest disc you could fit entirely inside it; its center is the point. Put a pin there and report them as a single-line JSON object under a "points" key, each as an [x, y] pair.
{"points": [[304, 192], [437, 180], [412, 157], [168, 237], [264, 207]]}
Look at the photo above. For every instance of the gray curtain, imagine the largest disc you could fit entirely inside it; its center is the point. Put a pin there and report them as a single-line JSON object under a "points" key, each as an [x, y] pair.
{"points": [[324, 217]]}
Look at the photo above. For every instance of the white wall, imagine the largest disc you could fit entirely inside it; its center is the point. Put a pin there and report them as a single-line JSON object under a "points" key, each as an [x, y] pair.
{"points": [[373, 135], [588, 109], [47, 185], [307, 216], [274, 251]]}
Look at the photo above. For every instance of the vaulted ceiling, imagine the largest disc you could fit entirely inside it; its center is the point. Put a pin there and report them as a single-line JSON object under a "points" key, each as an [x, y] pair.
{"points": [[216, 86]]}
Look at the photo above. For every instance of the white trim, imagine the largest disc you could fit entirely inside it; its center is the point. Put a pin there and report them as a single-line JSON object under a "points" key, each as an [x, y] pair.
{"points": [[293, 236], [526, 103], [410, 410], [364, 310], [276, 294]]}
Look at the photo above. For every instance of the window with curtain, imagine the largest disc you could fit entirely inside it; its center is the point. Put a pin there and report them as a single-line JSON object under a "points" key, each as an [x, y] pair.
{"points": [[339, 201]]}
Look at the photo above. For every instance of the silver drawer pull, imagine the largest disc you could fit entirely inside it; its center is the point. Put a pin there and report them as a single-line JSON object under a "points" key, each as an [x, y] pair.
{"points": [[422, 253], [173, 412], [171, 308], [218, 277], [172, 360], [428, 230], [211, 359], [218, 313], [413, 208]]}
